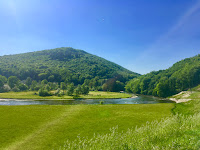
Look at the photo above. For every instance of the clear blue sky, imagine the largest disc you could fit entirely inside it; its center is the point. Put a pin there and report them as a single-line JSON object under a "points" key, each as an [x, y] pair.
{"points": [[140, 35]]}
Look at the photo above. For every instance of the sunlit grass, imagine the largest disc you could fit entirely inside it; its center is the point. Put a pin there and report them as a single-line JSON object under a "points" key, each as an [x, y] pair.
{"points": [[48, 127], [180, 131], [177, 132], [91, 95]]}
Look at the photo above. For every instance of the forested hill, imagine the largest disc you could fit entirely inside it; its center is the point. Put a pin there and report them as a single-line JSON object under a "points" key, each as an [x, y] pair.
{"points": [[183, 75], [62, 64]]}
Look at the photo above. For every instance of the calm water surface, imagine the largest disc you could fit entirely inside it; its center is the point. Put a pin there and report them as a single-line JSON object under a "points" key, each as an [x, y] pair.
{"points": [[137, 100]]}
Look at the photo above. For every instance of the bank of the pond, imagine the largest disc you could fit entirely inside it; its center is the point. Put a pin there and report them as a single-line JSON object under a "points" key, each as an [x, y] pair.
{"points": [[92, 95], [134, 100]]}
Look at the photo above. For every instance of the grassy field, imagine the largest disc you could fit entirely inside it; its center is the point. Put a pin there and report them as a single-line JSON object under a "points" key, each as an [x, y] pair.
{"points": [[91, 95], [173, 133], [47, 127], [180, 131]]}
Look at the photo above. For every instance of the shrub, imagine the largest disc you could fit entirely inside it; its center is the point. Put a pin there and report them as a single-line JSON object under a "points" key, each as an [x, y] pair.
{"points": [[101, 102], [22, 87], [44, 93]]}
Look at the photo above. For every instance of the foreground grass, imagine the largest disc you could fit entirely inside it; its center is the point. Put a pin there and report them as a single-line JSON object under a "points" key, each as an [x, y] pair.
{"points": [[48, 127], [91, 95], [177, 132], [181, 131]]}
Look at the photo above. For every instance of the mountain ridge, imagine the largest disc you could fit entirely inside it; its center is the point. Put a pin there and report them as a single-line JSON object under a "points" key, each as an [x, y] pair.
{"points": [[62, 64]]}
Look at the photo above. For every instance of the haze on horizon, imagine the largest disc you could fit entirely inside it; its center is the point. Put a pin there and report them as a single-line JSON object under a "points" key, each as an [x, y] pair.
{"points": [[139, 35]]}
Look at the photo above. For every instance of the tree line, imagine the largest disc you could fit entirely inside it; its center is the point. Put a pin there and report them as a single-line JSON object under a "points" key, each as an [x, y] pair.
{"points": [[183, 75], [44, 87], [66, 65]]}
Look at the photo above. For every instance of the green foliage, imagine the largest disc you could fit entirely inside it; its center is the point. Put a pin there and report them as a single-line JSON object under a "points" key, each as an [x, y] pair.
{"points": [[63, 65], [16, 89], [43, 92], [113, 85], [47, 87], [84, 89], [3, 79], [22, 87], [44, 82], [28, 82], [101, 102], [63, 86], [1, 86], [58, 92], [181, 76], [13, 81], [77, 91], [70, 89], [33, 85]]}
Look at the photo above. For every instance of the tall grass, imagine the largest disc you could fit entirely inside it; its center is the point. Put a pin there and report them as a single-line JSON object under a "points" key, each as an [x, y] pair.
{"points": [[176, 132]]}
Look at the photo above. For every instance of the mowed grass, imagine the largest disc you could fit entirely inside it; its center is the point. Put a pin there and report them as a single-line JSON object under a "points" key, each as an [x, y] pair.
{"points": [[180, 131], [91, 95], [48, 127]]}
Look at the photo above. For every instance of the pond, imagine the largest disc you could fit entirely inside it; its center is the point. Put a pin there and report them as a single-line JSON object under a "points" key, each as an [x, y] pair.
{"points": [[137, 100]]}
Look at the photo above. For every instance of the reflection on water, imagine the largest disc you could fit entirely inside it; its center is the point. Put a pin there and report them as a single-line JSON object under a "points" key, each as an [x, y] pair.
{"points": [[137, 100]]}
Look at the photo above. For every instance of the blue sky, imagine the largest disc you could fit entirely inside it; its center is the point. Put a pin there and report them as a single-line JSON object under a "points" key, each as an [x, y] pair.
{"points": [[140, 35]]}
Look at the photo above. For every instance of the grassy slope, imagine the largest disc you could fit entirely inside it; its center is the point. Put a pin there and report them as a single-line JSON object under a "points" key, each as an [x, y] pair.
{"points": [[47, 127], [91, 95]]}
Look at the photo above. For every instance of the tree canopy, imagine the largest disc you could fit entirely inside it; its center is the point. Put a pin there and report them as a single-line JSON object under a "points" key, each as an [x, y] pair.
{"points": [[62, 65], [183, 75]]}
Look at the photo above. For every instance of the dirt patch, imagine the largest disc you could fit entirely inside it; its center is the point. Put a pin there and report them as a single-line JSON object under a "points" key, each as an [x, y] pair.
{"points": [[180, 100]]}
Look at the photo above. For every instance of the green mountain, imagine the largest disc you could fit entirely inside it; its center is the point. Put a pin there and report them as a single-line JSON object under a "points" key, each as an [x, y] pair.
{"points": [[63, 65], [183, 75]]}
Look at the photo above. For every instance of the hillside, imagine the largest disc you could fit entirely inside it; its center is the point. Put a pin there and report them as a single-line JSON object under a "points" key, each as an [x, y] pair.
{"points": [[63, 65], [182, 76]]}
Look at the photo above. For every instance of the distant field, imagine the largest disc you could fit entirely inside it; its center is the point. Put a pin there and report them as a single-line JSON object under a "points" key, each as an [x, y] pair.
{"points": [[91, 95], [48, 127]]}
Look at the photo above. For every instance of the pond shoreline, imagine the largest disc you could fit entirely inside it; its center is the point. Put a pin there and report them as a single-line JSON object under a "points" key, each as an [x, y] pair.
{"points": [[21, 99], [132, 100]]}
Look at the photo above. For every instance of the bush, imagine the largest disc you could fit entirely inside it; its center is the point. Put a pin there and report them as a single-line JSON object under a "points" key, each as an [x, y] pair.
{"points": [[44, 93], [101, 102], [22, 87]]}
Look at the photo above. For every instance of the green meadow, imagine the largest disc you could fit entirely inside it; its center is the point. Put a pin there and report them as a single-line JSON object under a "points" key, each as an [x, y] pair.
{"points": [[49, 127], [177, 132], [91, 95]]}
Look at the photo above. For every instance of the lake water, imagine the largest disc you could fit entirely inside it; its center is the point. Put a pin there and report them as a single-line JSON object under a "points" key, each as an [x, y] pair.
{"points": [[137, 100]]}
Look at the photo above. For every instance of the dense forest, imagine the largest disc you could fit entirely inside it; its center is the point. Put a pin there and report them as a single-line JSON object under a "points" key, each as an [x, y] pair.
{"points": [[61, 65], [183, 75]]}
